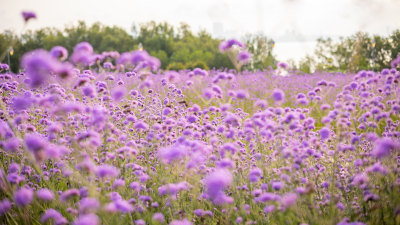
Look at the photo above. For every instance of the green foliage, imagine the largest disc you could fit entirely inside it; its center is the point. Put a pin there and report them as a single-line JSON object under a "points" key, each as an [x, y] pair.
{"points": [[261, 49], [357, 52], [197, 64], [179, 47], [176, 66]]}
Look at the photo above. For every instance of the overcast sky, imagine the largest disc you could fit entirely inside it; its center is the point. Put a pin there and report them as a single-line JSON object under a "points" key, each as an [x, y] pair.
{"points": [[272, 17]]}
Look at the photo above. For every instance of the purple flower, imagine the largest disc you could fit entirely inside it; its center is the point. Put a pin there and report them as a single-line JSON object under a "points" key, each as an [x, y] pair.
{"points": [[140, 222], [107, 171], [244, 56], [159, 217], [181, 222], [215, 184], [28, 15], [69, 194], [55, 215], [360, 179], [118, 94], [21, 103], [123, 206], [288, 200], [38, 64], [88, 204], [140, 125], [11, 144], [83, 54], [23, 197], [241, 94], [192, 119], [269, 208], [265, 197], [45, 194], [86, 219], [142, 59], [324, 133], [59, 53], [226, 45], [278, 95], [277, 185], [282, 65], [172, 153], [5, 205], [383, 147], [255, 174]]}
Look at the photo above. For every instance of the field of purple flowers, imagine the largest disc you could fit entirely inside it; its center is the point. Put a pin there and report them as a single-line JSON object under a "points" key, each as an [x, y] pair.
{"points": [[109, 139]]}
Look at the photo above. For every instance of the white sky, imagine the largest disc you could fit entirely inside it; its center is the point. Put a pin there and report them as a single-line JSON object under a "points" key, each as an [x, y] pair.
{"points": [[307, 18]]}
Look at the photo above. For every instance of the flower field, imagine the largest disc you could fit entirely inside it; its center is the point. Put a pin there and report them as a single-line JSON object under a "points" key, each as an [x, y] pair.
{"points": [[109, 139]]}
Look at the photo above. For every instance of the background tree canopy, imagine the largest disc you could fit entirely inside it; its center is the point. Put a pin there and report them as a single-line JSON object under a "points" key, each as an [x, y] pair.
{"points": [[180, 48]]}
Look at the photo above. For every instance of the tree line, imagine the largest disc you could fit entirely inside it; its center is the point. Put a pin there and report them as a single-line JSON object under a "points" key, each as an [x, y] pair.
{"points": [[360, 51], [176, 47], [180, 48]]}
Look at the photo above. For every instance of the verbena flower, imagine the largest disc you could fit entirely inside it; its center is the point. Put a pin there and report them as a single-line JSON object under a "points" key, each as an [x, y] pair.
{"points": [[27, 15], [23, 197], [54, 215]]}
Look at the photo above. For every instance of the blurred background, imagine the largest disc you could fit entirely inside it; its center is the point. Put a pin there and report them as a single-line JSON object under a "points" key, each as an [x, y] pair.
{"points": [[337, 35]]}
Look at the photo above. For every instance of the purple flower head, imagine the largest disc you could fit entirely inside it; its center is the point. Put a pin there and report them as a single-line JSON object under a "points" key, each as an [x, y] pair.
{"points": [[140, 125], [11, 144], [59, 53], [278, 95], [83, 47], [277, 185], [360, 179], [83, 54], [181, 222], [4, 67], [383, 147], [5, 205], [215, 183], [108, 65], [244, 57], [283, 65], [241, 94], [265, 197], [69, 194], [86, 219], [28, 15], [141, 59], [226, 45], [140, 222], [324, 133], [89, 90], [45, 194], [346, 221], [172, 153], [118, 94], [23, 197], [107, 171], [288, 200], [55, 215], [255, 174], [38, 64], [36, 145], [21, 103], [192, 119], [269, 208], [88, 204], [159, 217], [123, 206]]}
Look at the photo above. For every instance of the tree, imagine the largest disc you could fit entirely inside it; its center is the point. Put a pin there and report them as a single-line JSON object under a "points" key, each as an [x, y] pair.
{"points": [[261, 49]]}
